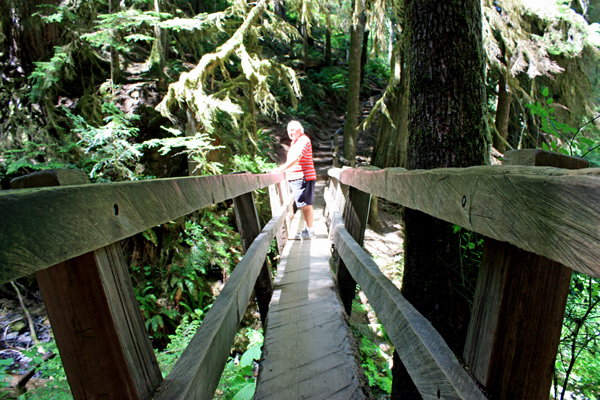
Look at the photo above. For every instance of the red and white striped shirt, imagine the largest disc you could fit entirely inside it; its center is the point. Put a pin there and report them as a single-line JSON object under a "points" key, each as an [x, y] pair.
{"points": [[305, 167]]}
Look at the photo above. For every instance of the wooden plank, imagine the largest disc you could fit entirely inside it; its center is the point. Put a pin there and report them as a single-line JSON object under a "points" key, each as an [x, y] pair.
{"points": [[196, 374], [548, 211], [275, 200], [95, 317], [355, 220], [32, 238], [307, 352], [518, 310], [431, 364], [516, 322], [542, 158], [249, 228]]}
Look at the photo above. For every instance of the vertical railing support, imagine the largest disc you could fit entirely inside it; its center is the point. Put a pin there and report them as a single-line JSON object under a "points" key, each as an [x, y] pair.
{"points": [[276, 199], [518, 309], [95, 317], [356, 213], [249, 228]]}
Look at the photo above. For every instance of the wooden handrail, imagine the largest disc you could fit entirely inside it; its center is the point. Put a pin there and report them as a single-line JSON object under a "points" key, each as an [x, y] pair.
{"points": [[196, 374], [431, 364], [548, 211], [42, 227]]}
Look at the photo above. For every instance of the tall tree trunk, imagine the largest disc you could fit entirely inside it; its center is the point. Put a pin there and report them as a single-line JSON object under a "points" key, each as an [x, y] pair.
{"points": [[279, 9], [328, 39], [197, 6], [115, 66], [28, 39], [304, 30], [448, 129], [392, 137], [364, 55], [158, 54], [253, 136], [352, 109], [502, 114]]}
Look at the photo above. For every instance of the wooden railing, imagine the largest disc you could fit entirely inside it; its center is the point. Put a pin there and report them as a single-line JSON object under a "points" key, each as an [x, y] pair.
{"points": [[69, 236], [530, 216]]}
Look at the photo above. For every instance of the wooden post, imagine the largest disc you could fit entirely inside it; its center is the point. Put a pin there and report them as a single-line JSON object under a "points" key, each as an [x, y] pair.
{"points": [[356, 213], [276, 200], [249, 228], [95, 317], [518, 310]]}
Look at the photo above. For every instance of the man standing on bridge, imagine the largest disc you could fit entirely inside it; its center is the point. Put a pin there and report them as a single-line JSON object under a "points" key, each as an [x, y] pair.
{"points": [[301, 175]]}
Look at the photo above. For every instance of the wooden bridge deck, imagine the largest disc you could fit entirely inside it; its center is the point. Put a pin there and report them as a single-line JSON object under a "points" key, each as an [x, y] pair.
{"points": [[308, 351]]}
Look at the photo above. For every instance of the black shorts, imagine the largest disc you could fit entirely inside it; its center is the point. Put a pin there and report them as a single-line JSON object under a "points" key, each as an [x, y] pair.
{"points": [[303, 191]]}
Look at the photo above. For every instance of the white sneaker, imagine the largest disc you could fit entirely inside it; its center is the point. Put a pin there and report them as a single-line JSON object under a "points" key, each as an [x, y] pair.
{"points": [[305, 234]]}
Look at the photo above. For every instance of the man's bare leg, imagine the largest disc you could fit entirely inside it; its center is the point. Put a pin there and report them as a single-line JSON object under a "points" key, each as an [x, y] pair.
{"points": [[307, 213]]}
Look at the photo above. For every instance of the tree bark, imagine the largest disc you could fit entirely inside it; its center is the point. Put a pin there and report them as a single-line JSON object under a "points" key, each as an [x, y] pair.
{"points": [[279, 9], [158, 53], [392, 137], [502, 114], [352, 109], [328, 40], [448, 129], [28, 39], [364, 56], [115, 66]]}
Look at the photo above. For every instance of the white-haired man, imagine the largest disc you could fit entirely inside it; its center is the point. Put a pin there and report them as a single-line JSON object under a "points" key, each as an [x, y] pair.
{"points": [[301, 175]]}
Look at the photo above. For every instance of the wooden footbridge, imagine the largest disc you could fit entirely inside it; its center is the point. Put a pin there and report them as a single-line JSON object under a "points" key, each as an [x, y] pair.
{"points": [[540, 222]]}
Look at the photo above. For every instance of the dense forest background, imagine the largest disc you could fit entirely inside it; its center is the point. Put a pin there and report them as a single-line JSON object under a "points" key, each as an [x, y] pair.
{"points": [[140, 89]]}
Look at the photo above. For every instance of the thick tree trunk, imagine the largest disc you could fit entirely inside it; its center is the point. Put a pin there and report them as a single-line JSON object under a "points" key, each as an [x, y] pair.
{"points": [[364, 56], [502, 114], [304, 30], [158, 54], [352, 109], [448, 129], [328, 40], [279, 9], [392, 139], [28, 39]]}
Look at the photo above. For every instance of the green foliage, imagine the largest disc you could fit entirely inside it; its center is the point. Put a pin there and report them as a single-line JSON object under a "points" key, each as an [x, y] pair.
{"points": [[47, 75], [179, 341], [470, 252], [583, 142], [374, 361], [196, 147], [372, 357], [129, 21], [578, 362], [111, 154], [57, 388], [238, 381]]}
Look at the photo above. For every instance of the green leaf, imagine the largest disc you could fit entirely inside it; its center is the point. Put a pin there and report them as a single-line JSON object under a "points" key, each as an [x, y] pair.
{"points": [[545, 91], [253, 353], [550, 101], [545, 147], [246, 393]]}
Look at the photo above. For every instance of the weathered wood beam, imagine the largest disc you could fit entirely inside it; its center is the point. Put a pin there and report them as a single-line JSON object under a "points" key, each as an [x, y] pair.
{"points": [[548, 211], [95, 316], [430, 363], [249, 228], [356, 214], [42, 227], [518, 309], [196, 374]]}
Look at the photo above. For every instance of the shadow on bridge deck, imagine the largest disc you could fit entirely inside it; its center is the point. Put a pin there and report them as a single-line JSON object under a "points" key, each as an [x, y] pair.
{"points": [[309, 352]]}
